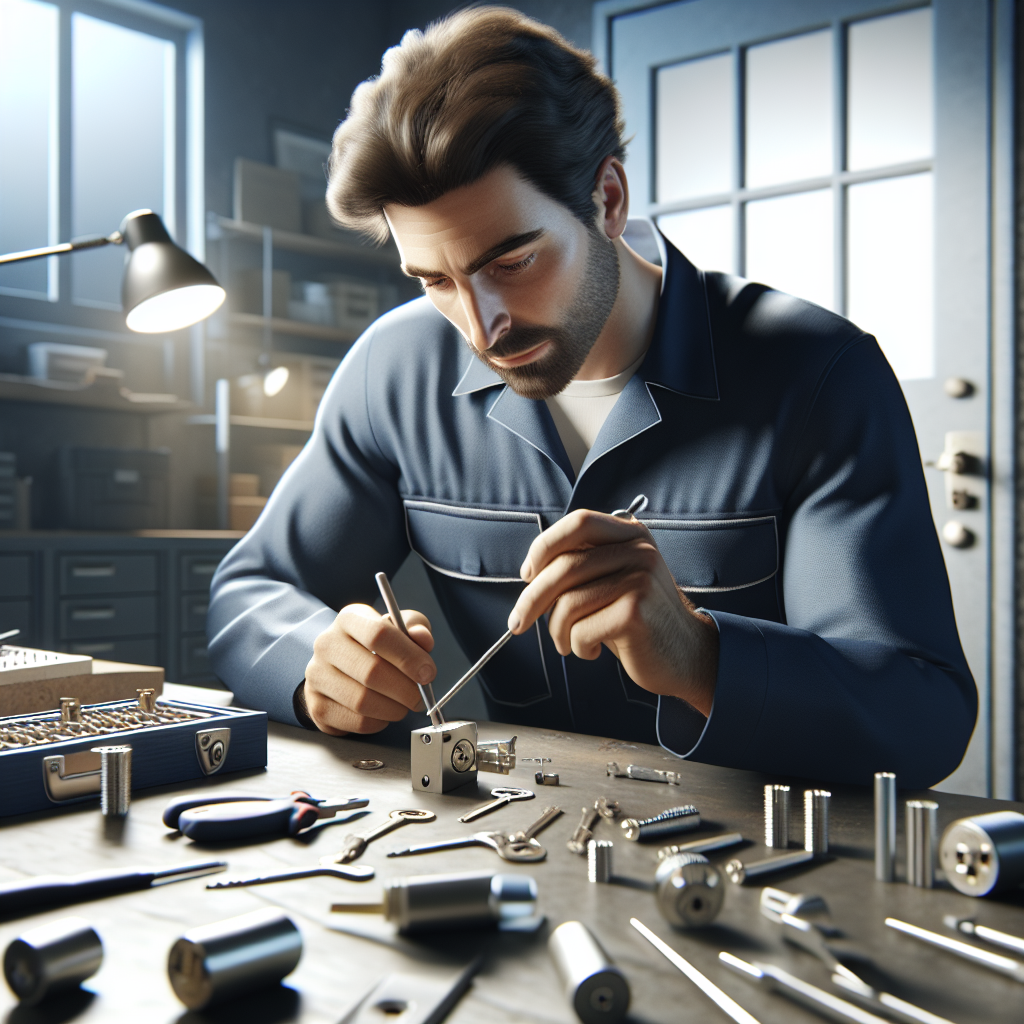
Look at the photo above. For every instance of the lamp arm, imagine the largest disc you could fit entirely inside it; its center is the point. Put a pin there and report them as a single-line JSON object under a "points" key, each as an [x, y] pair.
{"points": [[93, 242]]}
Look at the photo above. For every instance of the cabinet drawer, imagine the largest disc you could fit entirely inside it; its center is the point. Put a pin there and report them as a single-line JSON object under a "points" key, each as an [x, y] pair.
{"points": [[197, 570], [107, 617], [193, 613], [17, 615], [139, 651], [107, 574], [15, 576], [195, 661]]}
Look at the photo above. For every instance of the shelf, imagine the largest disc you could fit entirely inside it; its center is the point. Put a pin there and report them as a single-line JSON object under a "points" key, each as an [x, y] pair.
{"points": [[102, 389], [312, 245], [260, 422], [282, 326]]}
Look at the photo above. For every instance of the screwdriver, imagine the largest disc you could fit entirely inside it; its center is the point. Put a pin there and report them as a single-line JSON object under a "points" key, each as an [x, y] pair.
{"points": [[46, 891]]}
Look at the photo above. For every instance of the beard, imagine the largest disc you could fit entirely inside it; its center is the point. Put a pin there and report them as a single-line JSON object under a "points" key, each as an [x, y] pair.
{"points": [[572, 339]]}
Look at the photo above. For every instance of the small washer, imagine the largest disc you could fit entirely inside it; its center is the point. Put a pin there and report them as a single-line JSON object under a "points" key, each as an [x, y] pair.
{"points": [[369, 765]]}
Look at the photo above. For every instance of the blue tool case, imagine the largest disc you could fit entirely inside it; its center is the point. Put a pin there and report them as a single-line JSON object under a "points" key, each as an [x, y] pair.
{"points": [[47, 761]]}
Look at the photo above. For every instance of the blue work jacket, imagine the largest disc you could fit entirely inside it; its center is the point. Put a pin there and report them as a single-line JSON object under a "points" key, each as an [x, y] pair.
{"points": [[786, 495]]}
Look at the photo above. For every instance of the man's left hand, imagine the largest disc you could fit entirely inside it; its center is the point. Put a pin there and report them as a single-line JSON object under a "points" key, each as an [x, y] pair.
{"points": [[604, 582]]}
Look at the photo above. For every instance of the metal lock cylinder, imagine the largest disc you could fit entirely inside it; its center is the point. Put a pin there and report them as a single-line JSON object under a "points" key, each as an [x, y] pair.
{"points": [[443, 757], [52, 959], [984, 854], [220, 961], [596, 989], [431, 902], [689, 890]]}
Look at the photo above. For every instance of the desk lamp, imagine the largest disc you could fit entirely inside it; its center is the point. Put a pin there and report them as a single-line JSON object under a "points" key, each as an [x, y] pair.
{"points": [[164, 288]]}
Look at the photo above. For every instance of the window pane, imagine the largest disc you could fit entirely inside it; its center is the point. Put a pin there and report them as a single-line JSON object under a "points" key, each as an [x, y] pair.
{"points": [[890, 116], [789, 110], [28, 147], [695, 125], [890, 270], [705, 237], [122, 143], [789, 245]]}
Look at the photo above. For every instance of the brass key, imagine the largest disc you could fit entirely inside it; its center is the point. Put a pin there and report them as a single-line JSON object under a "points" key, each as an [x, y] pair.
{"points": [[356, 844]]}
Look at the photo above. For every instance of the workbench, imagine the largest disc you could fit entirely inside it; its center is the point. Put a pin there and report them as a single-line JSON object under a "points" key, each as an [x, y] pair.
{"points": [[345, 955]]}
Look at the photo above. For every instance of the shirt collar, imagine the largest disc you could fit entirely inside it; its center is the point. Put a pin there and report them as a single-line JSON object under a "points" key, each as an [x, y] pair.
{"points": [[681, 356]]}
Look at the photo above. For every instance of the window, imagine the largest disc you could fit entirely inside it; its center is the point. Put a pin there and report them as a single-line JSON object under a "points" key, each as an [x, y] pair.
{"points": [[806, 163], [100, 114]]}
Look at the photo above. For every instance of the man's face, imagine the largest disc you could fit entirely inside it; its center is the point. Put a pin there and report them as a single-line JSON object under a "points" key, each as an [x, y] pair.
{"points": [[526, 284]]}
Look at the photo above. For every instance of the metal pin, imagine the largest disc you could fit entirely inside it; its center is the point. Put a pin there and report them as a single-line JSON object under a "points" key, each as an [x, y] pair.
{"points": [[776, 817], [885, 827], [739, 872], [147, 700], [546, 778], [668, 823], [70, 711], [599, 860], [922, 839], [816, 803], [115, 780]]}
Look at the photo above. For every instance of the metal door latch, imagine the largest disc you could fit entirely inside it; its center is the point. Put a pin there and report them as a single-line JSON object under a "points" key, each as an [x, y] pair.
{"points": [[212, 749], [75, 778]]}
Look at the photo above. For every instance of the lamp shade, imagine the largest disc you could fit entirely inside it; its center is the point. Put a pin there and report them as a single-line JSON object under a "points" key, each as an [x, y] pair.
{"points": [[164, 288]]}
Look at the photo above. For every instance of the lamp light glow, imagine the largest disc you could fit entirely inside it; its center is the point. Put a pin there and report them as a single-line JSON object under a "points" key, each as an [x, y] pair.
{"points": [[275, 380], [171, 311]]}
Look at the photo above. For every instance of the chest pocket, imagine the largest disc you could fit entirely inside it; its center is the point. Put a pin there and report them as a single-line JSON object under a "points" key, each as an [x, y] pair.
{"points": [[724, 564], [471, 543]]}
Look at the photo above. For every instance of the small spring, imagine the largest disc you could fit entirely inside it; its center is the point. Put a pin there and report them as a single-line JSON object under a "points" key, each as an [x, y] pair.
{"points": [[670, 822]]}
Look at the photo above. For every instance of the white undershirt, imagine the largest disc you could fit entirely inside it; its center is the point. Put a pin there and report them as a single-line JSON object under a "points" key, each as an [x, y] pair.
{"points": [[580, 410]]}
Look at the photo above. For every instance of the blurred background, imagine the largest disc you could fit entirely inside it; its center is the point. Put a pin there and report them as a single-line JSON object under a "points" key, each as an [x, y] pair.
{"points": [[857, 153]]}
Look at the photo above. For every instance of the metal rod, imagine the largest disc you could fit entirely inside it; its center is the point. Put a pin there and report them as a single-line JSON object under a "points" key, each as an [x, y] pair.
{"points": [[1003, 964], [9, 634], [922, 839], [708, 987], [57, 250], [639, 502], [426, 692], [885, 827]]}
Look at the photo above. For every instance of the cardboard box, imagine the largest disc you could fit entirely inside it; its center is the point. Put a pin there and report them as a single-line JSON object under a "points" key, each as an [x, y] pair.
{"points": [[244, 511], [108, 680]]}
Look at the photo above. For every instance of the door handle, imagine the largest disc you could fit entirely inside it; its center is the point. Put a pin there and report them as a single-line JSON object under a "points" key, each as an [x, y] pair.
{"points": [[62, 784]]}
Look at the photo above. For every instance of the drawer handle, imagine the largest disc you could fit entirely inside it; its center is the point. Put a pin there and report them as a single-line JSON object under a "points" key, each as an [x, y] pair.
{"points": [[92, 614], [203, 568], [84, 572], [103, 648], [63, 785]]}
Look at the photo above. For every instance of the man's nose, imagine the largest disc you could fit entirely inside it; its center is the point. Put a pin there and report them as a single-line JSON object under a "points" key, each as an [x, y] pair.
{"points": [[486, 315]]}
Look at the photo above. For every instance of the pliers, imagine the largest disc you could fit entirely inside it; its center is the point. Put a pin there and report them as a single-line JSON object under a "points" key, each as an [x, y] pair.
{"points": [[221, 817]]}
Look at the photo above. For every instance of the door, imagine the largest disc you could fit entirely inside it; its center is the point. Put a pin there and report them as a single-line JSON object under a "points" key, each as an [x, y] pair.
{"points": [[858, 153]]}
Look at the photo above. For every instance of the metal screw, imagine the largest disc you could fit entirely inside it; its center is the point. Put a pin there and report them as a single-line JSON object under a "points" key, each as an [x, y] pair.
{"points": [[816, 820], [115, 779], [776, 817], [670, 822]]}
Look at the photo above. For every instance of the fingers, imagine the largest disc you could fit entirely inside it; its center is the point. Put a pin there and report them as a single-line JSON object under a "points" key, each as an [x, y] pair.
{"points": [[364, 669], [576, 568], [578, 531]]}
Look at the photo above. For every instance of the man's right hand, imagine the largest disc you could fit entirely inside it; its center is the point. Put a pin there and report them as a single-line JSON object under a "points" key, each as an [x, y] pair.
{"points": [[364, 670]]}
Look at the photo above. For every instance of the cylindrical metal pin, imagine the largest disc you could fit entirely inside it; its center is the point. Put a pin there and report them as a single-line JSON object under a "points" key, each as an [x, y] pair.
{"points": [[51, 959], [816, 803], [689, 890], [776, 817], [885, 827], [922, 839], [739, 872], [147, 700], [216, 962], [546, 778], [70, 711], [668, 823], [599, 860], [596, 989], [115, 779]]}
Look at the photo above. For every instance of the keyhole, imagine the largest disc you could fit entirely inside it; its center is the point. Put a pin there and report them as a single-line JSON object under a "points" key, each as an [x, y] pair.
{"points": [[393, 1007]]}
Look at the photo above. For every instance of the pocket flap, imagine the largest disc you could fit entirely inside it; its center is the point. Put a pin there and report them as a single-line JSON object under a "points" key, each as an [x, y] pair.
{"points": [[721, 554], [471, 543]]}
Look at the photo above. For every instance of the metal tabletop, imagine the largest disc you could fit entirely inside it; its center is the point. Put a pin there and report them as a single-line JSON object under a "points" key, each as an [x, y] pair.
{"points": [[345, 956]]}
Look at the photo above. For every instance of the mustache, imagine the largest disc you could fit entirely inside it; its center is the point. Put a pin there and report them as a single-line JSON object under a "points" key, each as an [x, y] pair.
{"points": [[521, 339]]}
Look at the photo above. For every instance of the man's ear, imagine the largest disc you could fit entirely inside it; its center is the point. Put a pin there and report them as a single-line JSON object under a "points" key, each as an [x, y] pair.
{"points": [[611, 196]]}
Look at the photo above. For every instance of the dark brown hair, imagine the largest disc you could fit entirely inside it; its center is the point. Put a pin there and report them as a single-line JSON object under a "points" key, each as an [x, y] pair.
{"points": [[484, 87]]}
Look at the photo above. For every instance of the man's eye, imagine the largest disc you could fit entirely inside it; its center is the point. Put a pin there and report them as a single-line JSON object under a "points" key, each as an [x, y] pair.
{"points": [[431, 283], [519, 265]]}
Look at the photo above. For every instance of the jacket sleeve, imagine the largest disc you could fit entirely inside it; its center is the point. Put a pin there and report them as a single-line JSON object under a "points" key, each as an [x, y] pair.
{"points": [[333, 521], [866, 672]]}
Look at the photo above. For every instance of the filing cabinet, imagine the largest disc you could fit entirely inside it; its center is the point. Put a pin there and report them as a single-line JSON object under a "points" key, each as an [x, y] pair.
{"points": [[120, 597]]}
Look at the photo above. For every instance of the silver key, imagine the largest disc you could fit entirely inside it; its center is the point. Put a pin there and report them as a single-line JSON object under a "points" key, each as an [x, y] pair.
{"points": [[526, 834], [584, 831], [356, 844], [502, 795]]}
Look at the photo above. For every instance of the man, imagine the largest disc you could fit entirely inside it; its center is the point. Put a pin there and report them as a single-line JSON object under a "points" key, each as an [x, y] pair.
{"points": [[779, 604]]}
